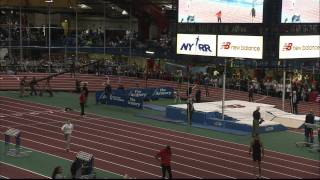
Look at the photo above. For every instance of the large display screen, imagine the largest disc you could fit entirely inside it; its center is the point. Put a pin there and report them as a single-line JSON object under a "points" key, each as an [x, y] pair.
{"points": [[220, 11], [300, 11], [240, 46], [196, 44], [293, 47]]}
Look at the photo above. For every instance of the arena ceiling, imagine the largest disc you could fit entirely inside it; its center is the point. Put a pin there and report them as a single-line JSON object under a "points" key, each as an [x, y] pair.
{"points": [[114, 8], [93, 5]]}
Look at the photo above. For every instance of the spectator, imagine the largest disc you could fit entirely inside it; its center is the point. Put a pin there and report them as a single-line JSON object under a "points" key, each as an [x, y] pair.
{"points": [[78, 88], [33, 85], [82, 102], [58, 173], [177, 98], [251, 89], [164, 157], [294, 102], [86, 92], [47, 87], [22, 86], [108, 88], [206, 83], [308, 132], [198, 95], [75, 169], [257, 150]]}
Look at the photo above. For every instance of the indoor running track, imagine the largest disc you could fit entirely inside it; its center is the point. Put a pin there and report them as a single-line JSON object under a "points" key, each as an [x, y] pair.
{"points": [[128, 148]]}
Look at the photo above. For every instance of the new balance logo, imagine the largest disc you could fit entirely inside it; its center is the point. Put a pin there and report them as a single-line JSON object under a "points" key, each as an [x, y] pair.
{"points": [[226, 45], [287, 47]]}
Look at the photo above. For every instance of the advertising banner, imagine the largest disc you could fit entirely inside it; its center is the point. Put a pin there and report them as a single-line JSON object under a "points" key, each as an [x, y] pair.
{"points": [[293, 47], [240, 46], [196, 44]]}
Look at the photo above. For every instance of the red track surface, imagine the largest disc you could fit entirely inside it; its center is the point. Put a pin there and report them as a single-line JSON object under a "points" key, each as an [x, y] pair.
{"points": [[129, 148], [12, 172], [65, 82]]}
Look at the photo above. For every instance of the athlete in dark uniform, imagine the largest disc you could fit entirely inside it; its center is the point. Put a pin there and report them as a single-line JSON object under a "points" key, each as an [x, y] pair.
{"points": [[86, 92], [257, 120], [257, 151]]}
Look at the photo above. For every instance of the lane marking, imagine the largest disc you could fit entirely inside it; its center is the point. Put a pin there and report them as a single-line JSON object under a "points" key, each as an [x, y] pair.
{"points": [[25, 170], [249, 158], [179, 132]]}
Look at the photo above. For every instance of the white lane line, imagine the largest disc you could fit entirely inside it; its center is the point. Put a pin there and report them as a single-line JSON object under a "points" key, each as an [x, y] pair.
{"points": [[49, 154], [96, 136], [129, 122], [228, 154], [25, 170]]}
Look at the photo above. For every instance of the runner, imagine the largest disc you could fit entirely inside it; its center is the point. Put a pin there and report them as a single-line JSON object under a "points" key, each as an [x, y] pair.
{"points": [[67, 130], [256, 148], [164, 156]]}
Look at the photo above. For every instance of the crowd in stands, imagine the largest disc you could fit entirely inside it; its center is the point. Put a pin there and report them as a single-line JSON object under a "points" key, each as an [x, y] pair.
{"points": [[38, 36]]}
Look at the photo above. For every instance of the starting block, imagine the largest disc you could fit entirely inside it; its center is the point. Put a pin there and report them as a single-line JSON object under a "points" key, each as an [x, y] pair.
{"points": [[15, 133], [87, 161]]}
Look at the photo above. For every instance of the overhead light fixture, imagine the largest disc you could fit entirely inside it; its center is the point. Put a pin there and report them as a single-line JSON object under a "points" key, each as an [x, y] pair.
{"points": [[149, 52], [124, 12], [168, 6], [83, 6], [48, 1]]}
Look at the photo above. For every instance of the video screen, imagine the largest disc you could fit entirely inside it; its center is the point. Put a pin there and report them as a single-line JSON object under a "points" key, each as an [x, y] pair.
{"points": [[220, 11], [300, 11]]}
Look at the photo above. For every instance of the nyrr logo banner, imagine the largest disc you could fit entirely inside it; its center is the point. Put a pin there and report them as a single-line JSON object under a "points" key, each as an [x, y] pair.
{"points": [[294, 47], [240, 46], [196, 44]]}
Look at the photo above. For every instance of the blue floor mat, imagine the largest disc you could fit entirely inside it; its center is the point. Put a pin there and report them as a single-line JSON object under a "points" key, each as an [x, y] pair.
{"points": [[154, 107]]}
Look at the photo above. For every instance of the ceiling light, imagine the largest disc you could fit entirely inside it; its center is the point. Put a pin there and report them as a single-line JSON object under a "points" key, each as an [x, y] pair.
{"points": [[48, 1], [149, 52], [168, 6], [124, 12], [83, 6]]}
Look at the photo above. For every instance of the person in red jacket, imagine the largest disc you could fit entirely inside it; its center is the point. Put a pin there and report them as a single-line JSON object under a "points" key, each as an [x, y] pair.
{"points": [[82, 102], [219, 14], [164, 156]]}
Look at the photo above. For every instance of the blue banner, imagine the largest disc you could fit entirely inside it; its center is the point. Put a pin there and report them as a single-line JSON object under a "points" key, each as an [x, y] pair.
{"points": [[101, 97], [138, 93], [135, 102], [164, 92], [133, 97], [118, 100]]}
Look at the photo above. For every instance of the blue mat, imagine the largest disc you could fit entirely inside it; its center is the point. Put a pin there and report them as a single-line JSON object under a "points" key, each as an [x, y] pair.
{"points": [[159, 118], [154, 107], [225, 130]]}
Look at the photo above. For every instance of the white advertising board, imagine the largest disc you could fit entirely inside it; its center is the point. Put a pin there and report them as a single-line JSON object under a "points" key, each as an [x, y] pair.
{"points": [[196, 44], [292, 47], [240, 46]]}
